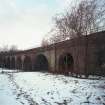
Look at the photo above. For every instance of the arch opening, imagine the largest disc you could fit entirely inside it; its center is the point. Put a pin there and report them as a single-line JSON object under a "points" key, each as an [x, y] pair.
{"points": [[2, 62], [8, 63], [41, 63], [19, 63], [66, 63], [27, 64], [4, 65], [13, 63]]}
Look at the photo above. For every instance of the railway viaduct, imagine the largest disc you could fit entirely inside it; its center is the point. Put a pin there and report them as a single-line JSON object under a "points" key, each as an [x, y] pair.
{"points": [[84, 55]]}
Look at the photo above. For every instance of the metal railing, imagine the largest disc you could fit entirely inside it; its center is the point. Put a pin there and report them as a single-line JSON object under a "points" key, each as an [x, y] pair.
{"points": [[99, 29]]}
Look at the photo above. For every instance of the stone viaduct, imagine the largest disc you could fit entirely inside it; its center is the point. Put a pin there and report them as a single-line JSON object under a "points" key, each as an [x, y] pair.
{"points": [[84, 55]]}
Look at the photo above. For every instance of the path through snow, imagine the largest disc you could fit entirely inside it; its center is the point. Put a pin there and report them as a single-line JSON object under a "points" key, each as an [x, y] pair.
{"points": [[7, 96]]}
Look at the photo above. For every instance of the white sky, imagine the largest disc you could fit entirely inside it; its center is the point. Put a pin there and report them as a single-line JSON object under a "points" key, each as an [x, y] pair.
{"points": [[24, 23]]}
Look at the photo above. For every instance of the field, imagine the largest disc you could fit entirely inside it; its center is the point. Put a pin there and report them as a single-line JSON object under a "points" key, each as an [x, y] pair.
{"points": [[36, 88]]}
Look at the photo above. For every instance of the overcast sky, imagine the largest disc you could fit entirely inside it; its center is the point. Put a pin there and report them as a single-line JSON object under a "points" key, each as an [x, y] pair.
{"points": [[25, 22]]}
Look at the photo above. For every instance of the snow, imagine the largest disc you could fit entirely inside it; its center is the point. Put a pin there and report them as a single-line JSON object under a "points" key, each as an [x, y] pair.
{"points": [[6, 97], [36, 88]]}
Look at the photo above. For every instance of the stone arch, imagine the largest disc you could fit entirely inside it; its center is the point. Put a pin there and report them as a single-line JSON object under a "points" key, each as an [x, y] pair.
{"points": [[100, 62], [66, 63], [19, 63], [41, 63], [27, 64], [13, 62], [2, 62], [8, 64]]}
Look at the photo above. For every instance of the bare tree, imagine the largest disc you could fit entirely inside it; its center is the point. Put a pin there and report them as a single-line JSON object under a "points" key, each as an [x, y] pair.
{"points": [[5, 48], [51, 37], [88, 16], [13, 48], [82, 19], [44, 43], [85, 18]]}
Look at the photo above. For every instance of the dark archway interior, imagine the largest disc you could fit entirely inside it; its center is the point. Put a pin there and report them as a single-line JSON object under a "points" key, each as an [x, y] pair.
{"points": [[27, 64], [8, 63], [13, 63], [66, 63], [100, 62], [19, 63], [4, 63], [41, 63], [1, 62]]}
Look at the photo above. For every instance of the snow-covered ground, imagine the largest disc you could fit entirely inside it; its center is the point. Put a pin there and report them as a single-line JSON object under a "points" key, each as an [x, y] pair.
{"points": [[35, 88]]}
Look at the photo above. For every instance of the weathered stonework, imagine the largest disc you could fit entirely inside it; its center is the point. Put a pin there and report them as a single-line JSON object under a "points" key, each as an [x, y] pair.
{"points": [[85, 55]]}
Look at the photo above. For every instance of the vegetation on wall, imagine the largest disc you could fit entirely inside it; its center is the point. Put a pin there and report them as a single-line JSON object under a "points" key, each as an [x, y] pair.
{"points": [[85, 18]]}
